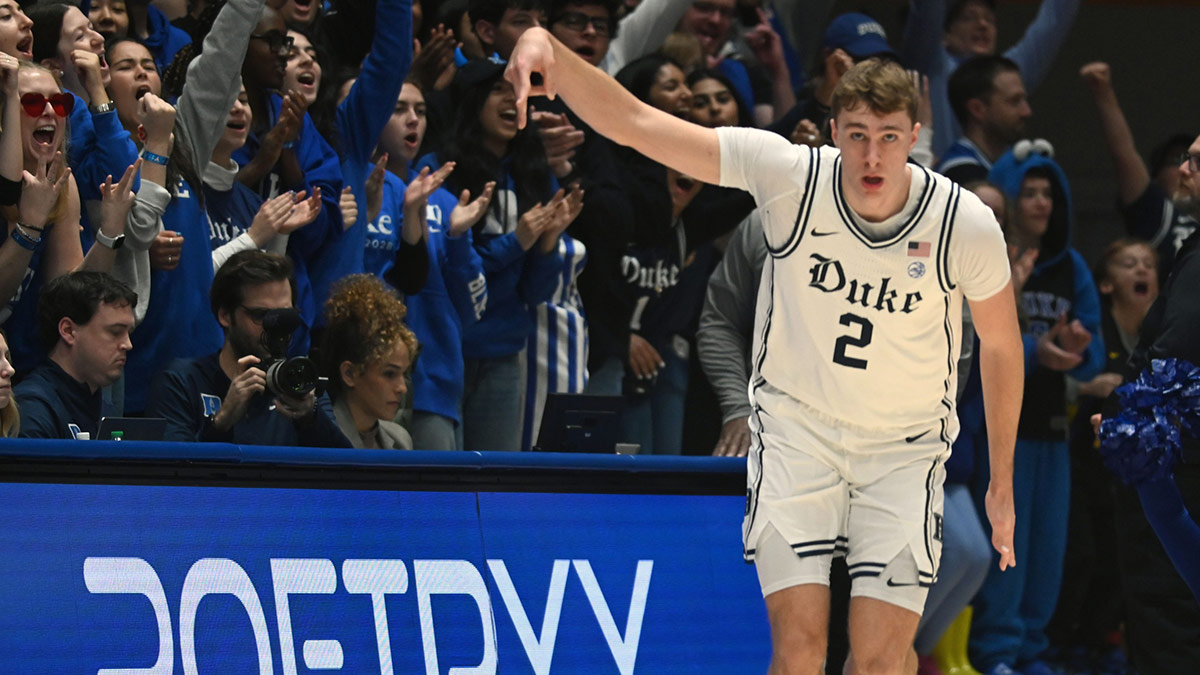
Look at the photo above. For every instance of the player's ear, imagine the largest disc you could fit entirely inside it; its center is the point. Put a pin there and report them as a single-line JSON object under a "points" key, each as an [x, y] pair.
{"points": [[833, 132], [916, 131]]}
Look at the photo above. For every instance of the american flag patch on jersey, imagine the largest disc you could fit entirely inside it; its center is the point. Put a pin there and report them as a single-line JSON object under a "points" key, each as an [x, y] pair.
{"points": [[918, 249]]}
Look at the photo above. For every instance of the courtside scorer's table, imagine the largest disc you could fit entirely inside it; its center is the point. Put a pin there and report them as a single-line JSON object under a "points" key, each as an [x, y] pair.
{"points": [[214, 558]]}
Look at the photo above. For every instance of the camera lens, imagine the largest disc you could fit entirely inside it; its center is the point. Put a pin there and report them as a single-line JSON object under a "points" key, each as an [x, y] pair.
{"points": [[292, 377]]}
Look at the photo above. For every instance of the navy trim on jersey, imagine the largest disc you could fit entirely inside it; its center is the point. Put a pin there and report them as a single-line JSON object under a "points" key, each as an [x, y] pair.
{"points": [[748, 554], [805, 209], [843, 209], [943, 259], [930, 488]]}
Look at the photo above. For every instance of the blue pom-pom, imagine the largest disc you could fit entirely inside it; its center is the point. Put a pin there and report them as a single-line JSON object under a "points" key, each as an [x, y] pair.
{"points": [[1139, 447], [1143, 442]]}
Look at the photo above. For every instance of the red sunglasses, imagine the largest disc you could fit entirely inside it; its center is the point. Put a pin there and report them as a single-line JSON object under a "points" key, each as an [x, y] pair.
{"points": [[34, 104]]}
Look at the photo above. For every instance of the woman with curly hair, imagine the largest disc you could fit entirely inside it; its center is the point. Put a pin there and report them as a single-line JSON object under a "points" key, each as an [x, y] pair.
{"points": [[366, 352]]}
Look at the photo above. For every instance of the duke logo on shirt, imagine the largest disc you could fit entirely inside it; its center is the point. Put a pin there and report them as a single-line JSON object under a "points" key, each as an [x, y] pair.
{"points": [[211, 404]]}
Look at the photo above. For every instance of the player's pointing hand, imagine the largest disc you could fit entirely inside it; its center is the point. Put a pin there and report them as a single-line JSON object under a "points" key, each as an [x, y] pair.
{"points": [[534, 53]]}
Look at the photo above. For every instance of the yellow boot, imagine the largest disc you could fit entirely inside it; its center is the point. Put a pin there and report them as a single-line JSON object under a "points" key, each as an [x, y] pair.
{"points": [[951, 650]]}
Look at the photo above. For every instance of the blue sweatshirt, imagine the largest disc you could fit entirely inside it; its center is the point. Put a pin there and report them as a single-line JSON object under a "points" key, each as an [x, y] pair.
{"points": [[319, 163], [516, 279], [56, 405], [1061, 283], [179, 322], [361, 117], [454, 295], [189, 392], [99, 147], [164, 40]]}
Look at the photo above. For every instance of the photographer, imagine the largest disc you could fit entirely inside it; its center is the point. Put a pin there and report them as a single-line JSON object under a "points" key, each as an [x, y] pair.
{"points": [[248, 393]]}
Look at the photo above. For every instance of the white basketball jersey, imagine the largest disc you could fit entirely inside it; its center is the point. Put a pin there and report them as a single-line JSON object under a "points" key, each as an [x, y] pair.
{"points": [[861, 324]]}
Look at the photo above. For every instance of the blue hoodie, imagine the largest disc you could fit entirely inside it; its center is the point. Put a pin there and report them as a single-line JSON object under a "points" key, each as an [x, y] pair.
{"points": [[321, 169], [1061, 283], [453, 297], [164, 40], [516, 279], [361, 117]]}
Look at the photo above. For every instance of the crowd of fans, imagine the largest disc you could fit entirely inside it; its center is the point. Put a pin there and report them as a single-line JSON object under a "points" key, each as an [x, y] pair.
{"points": [[197, 193]]}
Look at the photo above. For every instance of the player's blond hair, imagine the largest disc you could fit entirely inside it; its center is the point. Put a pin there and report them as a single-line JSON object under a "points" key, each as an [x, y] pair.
{"points": [[881, 85]]}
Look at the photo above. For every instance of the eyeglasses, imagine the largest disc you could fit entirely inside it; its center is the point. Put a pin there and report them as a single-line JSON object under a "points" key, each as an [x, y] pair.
{"points": [[1191, 159], [578, 21], [256, 314], [34, 104], [278, 42]]}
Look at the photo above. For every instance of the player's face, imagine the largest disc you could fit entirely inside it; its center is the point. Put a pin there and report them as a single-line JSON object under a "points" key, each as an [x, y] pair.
{"points": [[875, 151], [973, 32], [1187, 192], [1131, 276], [1035, 203], [245, 323], [1007, 109], [379, 388]]}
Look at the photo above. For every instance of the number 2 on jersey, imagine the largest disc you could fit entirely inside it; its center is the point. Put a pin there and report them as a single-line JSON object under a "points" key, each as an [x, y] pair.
{"points": [[862, 340]]}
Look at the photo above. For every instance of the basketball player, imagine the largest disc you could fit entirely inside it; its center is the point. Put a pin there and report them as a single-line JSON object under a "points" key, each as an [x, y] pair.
{"points": [[856, 342]]}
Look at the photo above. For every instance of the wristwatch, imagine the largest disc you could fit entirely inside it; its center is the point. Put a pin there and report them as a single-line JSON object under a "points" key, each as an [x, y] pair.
{"points": [[101, 108], [110, 242]]}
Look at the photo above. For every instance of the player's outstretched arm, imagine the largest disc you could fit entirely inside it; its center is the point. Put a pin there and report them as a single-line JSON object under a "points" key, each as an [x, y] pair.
{"points": [[1002, 371], [608, 108]]}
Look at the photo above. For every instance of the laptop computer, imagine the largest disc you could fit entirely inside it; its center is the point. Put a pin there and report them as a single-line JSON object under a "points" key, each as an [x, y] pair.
{"points": [[579, 423], [131, 429]]}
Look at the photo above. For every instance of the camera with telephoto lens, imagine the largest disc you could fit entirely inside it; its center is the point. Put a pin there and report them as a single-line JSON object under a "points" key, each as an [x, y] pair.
{"points": [[286, 376]]}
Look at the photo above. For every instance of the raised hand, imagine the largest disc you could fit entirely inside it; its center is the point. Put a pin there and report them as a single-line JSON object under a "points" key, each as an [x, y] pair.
{"points": [[766, 44], [467, 213], [564, 209], [41, 191], [116, 200], [807, 133], [87, 68], [1053, 356], [8, 74], [374, 188], [434, 59], [531, 225], [156, 121], [559, 138], [1097, 75], [416, 197], [291, 120], [1074, 337], [302, 212], [349, 206]]}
